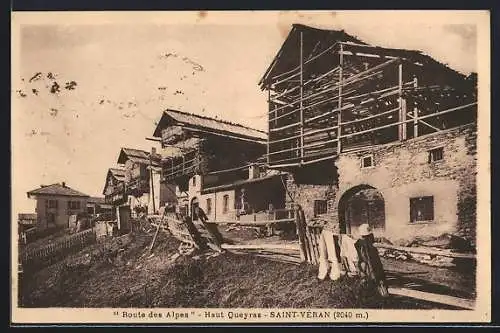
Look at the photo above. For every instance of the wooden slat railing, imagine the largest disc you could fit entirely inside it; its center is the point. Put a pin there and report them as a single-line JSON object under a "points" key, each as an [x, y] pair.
{"points": [[47, 253]]}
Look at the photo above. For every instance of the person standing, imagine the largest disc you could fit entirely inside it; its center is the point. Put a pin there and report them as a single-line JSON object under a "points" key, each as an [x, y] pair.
{"points": [[217, 237], [370, 265]]}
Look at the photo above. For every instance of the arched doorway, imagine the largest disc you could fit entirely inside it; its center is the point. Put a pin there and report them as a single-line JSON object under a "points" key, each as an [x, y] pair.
{"points": [[194, 203], [361, 204]]}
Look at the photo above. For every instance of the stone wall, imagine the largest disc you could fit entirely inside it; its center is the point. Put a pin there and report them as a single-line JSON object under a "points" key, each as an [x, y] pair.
{"points": [[401, 171]]}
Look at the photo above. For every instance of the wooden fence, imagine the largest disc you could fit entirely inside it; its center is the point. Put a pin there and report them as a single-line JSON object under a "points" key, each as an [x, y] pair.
{"points": [[60, 248]]}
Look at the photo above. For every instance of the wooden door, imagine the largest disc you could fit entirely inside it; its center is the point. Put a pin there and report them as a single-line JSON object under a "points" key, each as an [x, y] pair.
{"points": [[124, 214]]}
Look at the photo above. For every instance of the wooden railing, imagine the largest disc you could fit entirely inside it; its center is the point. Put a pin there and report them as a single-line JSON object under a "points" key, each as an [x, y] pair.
{"points": [[51, 252], [258, 218]]}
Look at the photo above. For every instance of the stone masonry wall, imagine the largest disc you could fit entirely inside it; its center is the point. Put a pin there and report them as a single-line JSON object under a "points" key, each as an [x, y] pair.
{"points": [[401, 171]]}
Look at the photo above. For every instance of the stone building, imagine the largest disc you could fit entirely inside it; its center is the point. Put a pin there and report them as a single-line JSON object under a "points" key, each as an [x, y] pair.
{"points": [[55, 203], [216, 165], [372, 135]]}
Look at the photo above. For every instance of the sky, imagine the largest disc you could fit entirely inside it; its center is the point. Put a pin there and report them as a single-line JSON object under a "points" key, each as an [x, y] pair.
{"points": [[116, 74]]}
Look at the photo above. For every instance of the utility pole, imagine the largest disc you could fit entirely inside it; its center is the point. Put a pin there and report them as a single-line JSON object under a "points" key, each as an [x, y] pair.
{"points": [[151, 177]]}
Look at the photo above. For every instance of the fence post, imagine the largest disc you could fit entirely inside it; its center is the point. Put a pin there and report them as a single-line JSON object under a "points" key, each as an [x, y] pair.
{"points": [[300, 233]]}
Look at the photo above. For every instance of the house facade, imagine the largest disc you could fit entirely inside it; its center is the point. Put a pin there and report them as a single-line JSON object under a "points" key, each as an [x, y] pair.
{"points": [[217, 166], [98, 205], [373, 135], [56, 203], [136, 182]]}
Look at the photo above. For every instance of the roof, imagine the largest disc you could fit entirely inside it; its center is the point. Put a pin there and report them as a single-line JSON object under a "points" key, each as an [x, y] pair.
{"points": [[208, 124], [136, 155], [56, 189], [240, 183], [96, 200], [316, 41], [119, 174], [282, 63], [27, 216]]}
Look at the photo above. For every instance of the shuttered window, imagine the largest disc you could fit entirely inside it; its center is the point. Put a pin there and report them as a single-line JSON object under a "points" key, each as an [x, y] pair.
{"points": [[422, 209]]}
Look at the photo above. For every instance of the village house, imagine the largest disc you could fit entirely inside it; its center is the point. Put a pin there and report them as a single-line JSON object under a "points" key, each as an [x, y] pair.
{"points": [[217, 165], [372, 135], [56, 203], [98, 205], [135, 185], [114, 187]]}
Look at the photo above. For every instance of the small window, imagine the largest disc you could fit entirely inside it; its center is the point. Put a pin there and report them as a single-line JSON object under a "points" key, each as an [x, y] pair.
{"points": [[209, 206], [435, 155], [194, 181], [73, 204], [225, 204], [52, 204], [422, 209], [367, 161], [320, 207]]}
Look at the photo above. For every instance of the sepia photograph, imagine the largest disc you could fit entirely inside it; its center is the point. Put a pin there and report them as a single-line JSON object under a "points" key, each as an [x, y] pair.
{"points": [[250, 166]]}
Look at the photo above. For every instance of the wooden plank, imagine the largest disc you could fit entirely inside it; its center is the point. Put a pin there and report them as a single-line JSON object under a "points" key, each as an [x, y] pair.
{"points": [[415, 112], [281, 246], [429, 251], [254, 223], [402, 107], [301, 95], [411, 120], [339, 115], [434, 298]]}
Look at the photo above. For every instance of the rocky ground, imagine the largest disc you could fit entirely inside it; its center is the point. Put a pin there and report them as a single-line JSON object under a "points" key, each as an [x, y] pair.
{"points": [[121, 272]]}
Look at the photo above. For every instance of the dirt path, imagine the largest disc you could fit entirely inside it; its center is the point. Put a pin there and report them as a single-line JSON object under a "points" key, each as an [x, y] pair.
{"points": [[423, 277], [123, 273]]}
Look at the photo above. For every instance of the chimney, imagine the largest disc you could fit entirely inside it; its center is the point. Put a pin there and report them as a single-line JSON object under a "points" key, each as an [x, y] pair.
{"points": [[153, 151], [63, 184]]}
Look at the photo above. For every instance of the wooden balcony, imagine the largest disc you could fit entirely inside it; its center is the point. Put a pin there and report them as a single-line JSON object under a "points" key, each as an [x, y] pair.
{"points": [[137, 186]]}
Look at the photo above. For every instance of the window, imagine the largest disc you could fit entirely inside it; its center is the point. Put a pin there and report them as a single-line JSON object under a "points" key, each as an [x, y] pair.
{"points": [[435, 154], [225, 204], [422, 209], [73, 204], [209, 206], [367, 161], [320, 207], [194, 181], [51, 219], [51, 203]]}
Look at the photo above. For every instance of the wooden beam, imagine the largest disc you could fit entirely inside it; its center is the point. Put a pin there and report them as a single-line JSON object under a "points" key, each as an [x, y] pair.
{"points": [[411, 120], [437, 129], [339, 115], [291, 247], [371, 117], [224, 135], [434, 298], [376, 70], [268, 124], [429, 251], [333, 71], [301, 96], [415, 112], [402, 108], [255, 223]]}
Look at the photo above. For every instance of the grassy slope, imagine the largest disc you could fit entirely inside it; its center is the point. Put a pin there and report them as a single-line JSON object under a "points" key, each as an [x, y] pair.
{"points": [[105, 276]]}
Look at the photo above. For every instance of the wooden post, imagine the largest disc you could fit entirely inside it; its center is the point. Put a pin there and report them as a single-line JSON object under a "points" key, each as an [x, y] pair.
{"points": [[301, 97], [415, 112], [152, 182], [402, 105], [339, 117], [268, 123], [300, 233]]}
